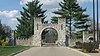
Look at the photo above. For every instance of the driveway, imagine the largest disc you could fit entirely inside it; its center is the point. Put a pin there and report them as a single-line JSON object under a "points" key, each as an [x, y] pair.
{"points": [[51, 51]]}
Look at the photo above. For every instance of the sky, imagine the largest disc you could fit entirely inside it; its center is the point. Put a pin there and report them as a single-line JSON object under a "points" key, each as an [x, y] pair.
{"points": [[10, 9]]}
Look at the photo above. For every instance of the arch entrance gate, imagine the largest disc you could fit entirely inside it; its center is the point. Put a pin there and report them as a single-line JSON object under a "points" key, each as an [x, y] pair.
{"points": [[39, 27]]}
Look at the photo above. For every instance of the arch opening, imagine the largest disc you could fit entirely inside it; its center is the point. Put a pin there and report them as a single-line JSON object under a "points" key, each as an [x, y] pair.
{"points": [[49, 35]]}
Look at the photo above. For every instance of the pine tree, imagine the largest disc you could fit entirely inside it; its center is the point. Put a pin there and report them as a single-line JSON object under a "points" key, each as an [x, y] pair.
{"points": [[33, 9], [82, 20], [70, 10], [0, 30], [54, 19]]}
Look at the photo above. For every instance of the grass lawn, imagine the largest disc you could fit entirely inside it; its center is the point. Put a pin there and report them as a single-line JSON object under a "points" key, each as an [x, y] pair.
{"points": [[5, 51]]}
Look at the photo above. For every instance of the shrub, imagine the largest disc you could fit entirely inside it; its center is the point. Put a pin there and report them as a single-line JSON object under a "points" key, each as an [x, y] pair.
{"points": [[78, 44], [3, 43], [87, 47]]}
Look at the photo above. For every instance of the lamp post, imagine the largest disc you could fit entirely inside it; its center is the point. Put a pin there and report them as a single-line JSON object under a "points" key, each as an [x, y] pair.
{"points": [[97, 23], [94, 20]]}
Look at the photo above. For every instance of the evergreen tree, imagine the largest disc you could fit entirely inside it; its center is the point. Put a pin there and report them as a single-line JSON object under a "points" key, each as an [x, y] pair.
{"points": [[70, 10], [5, 31], [0, 27], [1, 31], [33, 9], [82, 20], [54, 19]]}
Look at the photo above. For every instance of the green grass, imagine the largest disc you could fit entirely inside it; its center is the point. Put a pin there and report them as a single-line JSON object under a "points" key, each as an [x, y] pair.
{"points": [[5, 51]]}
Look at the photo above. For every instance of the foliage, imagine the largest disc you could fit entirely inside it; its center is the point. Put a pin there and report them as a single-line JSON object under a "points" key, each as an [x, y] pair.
{"points": [[78, 44], [79, 34], [73, 13], [1, 31], [25, 28], [87, 47], [5, 31], [54, 20], [3, 42], [45, 22], [82, 24]]}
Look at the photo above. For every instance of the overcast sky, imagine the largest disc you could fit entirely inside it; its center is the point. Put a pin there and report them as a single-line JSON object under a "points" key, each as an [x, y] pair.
{"points": [[9, 9]]}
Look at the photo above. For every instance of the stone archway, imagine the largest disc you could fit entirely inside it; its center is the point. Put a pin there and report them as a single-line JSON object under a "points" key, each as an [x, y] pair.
{"points": [[60, 27]]}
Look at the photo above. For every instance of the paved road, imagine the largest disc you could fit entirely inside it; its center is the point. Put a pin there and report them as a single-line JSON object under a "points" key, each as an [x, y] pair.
{"points": [[50, 51]]}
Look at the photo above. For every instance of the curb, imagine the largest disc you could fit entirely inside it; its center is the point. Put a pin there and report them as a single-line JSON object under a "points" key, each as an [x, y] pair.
{"points": [[79, 52], [18, 52]]}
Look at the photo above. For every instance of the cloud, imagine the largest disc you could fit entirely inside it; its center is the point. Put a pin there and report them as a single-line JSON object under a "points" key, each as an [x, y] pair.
{"points": [[82, 1], [9, 17], [13, 19], [50, 2], [11, 13], [45, 2], [22, 2]]}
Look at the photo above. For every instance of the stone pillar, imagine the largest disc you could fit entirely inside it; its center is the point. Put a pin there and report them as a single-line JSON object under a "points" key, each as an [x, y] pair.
{"points": [[85, 35], [62, 30], [37, 37]]}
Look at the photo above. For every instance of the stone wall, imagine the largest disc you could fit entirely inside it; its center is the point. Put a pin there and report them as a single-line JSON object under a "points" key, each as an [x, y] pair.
{"points": [[24, 42], [87, 35], [73, 41]]}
